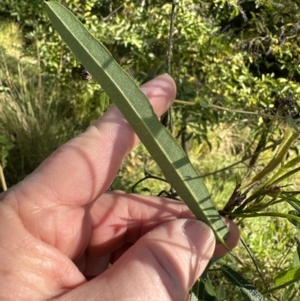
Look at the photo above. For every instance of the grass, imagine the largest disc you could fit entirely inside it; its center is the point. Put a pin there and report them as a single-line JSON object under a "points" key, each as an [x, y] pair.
{"points": [[11, 38], [30, 117], [37, 112]]}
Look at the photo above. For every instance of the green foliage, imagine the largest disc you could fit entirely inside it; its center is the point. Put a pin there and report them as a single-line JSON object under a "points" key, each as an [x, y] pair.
{"points": [[248, 291], [5, 147], [238, 56], [287, 277], [29, 114], [37, 112]]}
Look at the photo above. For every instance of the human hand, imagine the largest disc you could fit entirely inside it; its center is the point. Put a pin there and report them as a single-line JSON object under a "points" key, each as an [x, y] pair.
{"points": [[59, 229]]}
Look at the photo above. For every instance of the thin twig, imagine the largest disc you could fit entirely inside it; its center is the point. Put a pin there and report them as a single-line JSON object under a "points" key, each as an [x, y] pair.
{"points": [[255, 263], [113, 12], [167, 117], [3, 182], [238, 162], [170, 43], [146, 177]]}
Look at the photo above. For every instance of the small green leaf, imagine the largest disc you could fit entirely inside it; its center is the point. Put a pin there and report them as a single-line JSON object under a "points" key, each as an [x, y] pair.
{"points": [[199, 292], [249, 292], [220, 293], [204, 104], [287, 277], [285, 88], [210, 288]]}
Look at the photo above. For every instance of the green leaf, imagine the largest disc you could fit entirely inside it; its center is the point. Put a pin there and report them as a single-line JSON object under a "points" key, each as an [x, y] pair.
{"points": [[200, 293], [209, 287], [204, 104], [295, 222], [288, 276], [292, 124], [295, 204], [220, 293], [249, 292], [284, 169], [137, 110], [289, 139]]}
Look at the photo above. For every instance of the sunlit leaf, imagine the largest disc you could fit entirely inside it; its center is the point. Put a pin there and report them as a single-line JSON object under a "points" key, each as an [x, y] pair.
{"points": [[288, 276]]}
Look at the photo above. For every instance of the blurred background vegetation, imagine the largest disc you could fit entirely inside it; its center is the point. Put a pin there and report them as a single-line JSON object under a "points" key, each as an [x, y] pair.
{"points": [[232, 61]]}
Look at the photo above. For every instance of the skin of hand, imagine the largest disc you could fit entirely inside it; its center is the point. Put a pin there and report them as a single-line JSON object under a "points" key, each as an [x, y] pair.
{"points": [[59, 229]]}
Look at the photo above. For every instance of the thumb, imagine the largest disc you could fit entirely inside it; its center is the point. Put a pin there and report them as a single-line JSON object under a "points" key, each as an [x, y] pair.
{"points": [[161, 265]]}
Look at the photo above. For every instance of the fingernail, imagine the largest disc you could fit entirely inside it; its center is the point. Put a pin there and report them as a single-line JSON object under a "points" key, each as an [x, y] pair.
{"points": [[199, 234], [226, 221]]}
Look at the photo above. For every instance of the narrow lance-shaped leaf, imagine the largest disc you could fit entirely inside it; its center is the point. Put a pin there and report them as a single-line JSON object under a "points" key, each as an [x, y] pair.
{"points": [[283, 169], [288, 277], [137, 110], [285, 278], [289, 139], [249, 292]]}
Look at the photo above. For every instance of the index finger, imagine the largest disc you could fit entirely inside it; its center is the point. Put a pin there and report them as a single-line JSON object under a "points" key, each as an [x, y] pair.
{"points": [[83, 168]]}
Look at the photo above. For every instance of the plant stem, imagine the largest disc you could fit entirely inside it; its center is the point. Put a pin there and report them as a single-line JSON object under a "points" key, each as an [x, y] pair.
{"points": [[3, 182]]}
